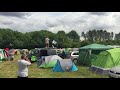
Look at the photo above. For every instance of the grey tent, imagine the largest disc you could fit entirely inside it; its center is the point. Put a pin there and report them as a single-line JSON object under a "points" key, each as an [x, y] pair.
{"points": [[64, 65]]}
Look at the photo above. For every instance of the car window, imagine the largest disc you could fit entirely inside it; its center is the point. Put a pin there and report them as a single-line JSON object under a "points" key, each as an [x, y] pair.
{"points": [[75, 53]]}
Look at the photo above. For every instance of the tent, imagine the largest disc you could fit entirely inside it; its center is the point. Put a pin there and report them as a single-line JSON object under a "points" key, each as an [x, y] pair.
{"points": [[3, 55], [17, 51], [65, 65], [89, 52], [24, 51], [33, 58], [48, 61], [13, 51], [7, 49], [105, 61], [67, 49]]}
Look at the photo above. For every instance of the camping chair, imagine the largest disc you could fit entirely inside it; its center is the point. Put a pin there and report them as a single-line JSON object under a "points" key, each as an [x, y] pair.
{"points": [[40, 60]]}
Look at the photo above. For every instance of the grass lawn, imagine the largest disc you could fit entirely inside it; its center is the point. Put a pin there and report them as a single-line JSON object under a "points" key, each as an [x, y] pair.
{"points": [[8, 69]]}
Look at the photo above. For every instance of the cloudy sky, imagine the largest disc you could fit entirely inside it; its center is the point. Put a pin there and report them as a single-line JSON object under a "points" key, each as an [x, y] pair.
{"points": [[55, 21]]}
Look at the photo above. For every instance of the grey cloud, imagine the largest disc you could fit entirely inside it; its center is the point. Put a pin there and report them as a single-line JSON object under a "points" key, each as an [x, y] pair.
{"points": [[7, 23], [98, 13], [51, 24], [15, 14], [75, 21], [100, 26], [82, 21], [116, 18]]}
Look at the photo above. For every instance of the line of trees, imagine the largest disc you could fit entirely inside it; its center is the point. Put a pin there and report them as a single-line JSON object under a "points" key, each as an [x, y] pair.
{"points": [[36, 39], [97, 35], [100, 36]]}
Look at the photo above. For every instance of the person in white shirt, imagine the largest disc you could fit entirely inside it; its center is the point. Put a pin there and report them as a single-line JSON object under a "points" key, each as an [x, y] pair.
{"points": [[23, 67]]}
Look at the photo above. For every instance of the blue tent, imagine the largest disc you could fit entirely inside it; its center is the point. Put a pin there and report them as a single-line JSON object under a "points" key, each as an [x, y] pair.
{"points": [[65, 65]]}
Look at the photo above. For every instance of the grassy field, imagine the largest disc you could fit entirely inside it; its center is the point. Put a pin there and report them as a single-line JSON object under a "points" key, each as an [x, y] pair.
{"points": [[8, 69]]}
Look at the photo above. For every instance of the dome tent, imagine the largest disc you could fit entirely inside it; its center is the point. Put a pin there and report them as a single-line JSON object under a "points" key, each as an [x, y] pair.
{"points": [[89, 52], [65, 65], [105, 61], [48, 61]]}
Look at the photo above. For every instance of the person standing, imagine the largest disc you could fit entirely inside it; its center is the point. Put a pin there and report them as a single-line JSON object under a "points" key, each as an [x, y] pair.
{"points": [[47, 42], [23, 64]]}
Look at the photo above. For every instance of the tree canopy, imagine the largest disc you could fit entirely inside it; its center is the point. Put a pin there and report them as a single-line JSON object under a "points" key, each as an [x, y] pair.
{"points": [[36, 39]]}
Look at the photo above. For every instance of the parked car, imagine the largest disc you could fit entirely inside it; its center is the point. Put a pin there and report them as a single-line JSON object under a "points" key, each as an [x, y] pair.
{"points": [[38, 53], [115, 72], [74, 56]]}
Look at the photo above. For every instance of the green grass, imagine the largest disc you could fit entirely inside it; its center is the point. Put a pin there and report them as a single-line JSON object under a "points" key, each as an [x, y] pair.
{"points": [[8, 69]]}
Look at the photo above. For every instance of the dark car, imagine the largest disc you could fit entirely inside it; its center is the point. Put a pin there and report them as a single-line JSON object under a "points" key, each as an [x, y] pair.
{"points": [[42, 52]]}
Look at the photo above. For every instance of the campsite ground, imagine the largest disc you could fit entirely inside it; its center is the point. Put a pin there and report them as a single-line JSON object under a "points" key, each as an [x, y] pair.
{"points": [[8, 69]]}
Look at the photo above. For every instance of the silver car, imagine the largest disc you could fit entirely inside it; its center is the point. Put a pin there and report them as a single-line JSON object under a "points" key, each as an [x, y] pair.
{"points": [[74, 56], [115, 72]]}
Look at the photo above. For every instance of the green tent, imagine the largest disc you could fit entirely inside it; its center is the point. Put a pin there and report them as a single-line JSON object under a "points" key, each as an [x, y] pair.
{"points": [[106, 60], [67, 49], [48, 61], [90, 52]]}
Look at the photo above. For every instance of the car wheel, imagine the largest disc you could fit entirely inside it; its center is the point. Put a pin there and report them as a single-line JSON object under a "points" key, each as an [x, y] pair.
{"points": [[75, 61]]}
